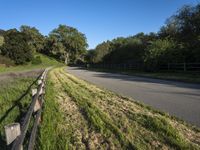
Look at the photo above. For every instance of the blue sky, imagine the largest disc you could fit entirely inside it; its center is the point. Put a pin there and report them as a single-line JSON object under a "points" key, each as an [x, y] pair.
{"points": [[99, 20]]}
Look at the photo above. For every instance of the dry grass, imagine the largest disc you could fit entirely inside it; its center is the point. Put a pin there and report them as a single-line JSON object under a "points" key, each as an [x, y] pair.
{"points": [[99, 119]]}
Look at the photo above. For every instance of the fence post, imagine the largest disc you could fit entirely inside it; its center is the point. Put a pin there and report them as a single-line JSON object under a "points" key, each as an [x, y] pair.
{"points": [[12, 131]]}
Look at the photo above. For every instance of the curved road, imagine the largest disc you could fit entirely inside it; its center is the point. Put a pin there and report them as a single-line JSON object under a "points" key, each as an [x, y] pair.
{"points": [[177, 98]]}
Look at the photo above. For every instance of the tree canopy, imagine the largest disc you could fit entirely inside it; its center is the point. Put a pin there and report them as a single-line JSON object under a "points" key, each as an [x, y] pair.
{"points": [[34, 37], [177, 41], [16, 47], [66, 43]]}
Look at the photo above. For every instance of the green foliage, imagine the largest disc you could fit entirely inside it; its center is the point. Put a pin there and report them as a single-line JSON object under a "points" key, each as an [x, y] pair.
{"points": [[16, 47], [6, 61], [34, 37], [66, 43], [131, 51], [36, 60], [55, 49], [101, 51], [183, 27], [46, 62], [121, 50], [159, 52], [176, 42], [1, 41]]}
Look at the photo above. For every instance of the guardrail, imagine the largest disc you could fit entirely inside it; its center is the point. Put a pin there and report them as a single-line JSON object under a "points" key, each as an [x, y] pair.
{"points": [[16, 132]]}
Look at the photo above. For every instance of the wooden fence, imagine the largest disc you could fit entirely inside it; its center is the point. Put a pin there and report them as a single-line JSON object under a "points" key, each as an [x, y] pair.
{"points": [[16, 132]]}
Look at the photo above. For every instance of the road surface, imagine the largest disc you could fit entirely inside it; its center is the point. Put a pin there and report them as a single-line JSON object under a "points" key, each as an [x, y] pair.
{"points": [[176, 98]]}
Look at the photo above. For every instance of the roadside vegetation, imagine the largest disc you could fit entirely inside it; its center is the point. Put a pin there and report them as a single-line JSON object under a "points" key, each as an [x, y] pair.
{"points": [[79, 115], [178, 41], [40, 61], [27, 48], [14, 101]]}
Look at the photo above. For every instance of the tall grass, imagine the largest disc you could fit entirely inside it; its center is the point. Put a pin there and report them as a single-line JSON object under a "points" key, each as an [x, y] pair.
{"points": [[14, 101], [116, 121]]}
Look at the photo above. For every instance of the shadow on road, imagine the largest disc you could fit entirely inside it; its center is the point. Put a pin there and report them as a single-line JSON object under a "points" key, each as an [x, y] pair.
{"points": [[133, 78]]}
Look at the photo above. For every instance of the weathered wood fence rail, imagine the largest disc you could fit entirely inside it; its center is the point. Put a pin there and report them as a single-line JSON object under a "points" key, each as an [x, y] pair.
{"points": [[15, 132]]}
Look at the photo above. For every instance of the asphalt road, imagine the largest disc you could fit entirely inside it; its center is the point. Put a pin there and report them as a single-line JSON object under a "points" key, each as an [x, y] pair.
{"points": [[176, 98]]}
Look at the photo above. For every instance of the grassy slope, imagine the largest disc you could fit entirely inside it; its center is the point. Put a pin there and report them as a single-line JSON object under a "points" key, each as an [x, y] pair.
{"points": [[46, 61], [192, 77], [80, 115], [13, 104]]}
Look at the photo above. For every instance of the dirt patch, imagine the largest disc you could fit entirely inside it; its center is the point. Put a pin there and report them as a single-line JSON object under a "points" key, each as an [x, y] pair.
{"points": [[5, 77]]}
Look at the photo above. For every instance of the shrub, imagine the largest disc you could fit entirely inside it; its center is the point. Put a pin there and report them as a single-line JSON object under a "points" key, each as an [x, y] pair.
{"points": [[6, 61], [16, 47], [37, 60]]}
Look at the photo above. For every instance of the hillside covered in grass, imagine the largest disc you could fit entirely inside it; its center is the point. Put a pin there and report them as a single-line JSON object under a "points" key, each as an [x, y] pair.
{"points": [[40, 61], [79, 115]]}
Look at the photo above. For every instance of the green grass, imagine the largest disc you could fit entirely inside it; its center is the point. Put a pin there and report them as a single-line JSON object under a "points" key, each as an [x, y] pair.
{"points": [[50, 135], [46, 62], [14, 101], [79, 115], [191, 77]]}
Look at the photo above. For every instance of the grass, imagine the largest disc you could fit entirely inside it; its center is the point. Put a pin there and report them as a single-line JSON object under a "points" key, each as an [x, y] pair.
{"points": [[191, 77], [46, 62], [14, 101], [79, 115]]}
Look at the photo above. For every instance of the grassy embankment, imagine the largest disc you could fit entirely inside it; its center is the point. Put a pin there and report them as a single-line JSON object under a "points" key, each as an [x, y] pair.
{"points": [[14, 101], [191, 77], [45, 62], [79, 115]]}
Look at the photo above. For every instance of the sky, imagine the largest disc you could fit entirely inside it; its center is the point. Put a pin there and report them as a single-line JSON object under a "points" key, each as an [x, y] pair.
{"points": [[99, 20]]}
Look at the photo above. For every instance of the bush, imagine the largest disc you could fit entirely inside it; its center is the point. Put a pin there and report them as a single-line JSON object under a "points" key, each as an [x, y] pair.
{"points": [[6, 61], [37, 60], [158, 53], [16, 47]]}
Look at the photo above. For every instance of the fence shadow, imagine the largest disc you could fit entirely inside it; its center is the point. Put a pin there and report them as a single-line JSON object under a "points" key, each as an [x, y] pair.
{"points": [[16, 103]]}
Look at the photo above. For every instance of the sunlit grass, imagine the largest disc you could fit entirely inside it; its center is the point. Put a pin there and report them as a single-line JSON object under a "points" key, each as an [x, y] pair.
{"points": [[14, 101], [46, 62], [79, 115]]}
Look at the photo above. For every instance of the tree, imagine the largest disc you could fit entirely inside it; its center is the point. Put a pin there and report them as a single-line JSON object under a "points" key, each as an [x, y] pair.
{"points": [[184, 28], [34, 37], [1, 40], [16, 47], [90, 55], [73, 42], [131, 51], [160, 52], [101, 51], [55, 49]]}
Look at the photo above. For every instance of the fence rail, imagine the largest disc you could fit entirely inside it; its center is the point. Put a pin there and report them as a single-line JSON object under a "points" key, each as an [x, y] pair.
{"points": [[15, 132], [137, 66]]}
